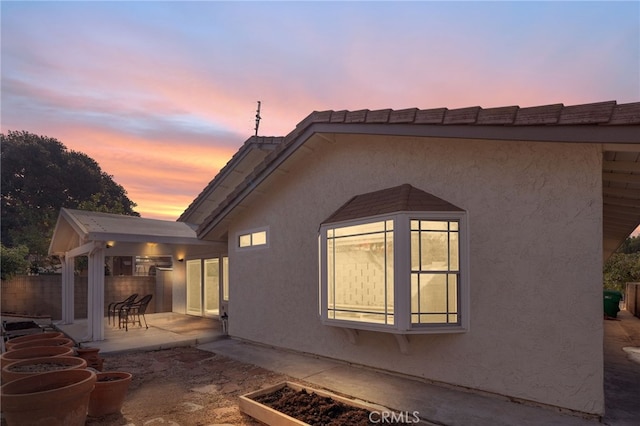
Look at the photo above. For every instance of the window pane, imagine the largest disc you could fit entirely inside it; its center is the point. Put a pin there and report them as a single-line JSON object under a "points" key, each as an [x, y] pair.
{"points": [[259, 238], [365, 228], [330, 274], [434, 319], [415, 250], [225, 278], [212, 286], [434, 225], [433, 293], [454, 248], [453, 292], [194, 287], [245, 240], [415, 293], [360, 273], [433, 251]]}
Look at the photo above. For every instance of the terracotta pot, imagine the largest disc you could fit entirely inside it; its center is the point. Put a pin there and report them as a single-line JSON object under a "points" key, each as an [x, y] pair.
{"points": [[33, 352], [91, 356], [31, 337], [56, 398], [108, 395], [33, 366], [56, 341]]}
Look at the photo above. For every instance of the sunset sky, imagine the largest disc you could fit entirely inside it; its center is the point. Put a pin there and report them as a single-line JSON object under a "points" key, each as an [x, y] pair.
{"points": [[161, 94]]}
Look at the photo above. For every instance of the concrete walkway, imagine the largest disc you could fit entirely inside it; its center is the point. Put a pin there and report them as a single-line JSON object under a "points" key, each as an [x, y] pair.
{"points": [[622, 370], [437, 404]]}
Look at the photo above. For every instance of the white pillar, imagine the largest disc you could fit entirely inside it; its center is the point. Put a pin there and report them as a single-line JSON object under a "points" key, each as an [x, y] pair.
{"points": [[95, 298], [68, 312]]}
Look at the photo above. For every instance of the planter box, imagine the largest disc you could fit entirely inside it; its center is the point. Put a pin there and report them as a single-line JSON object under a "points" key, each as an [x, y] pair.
{"points": [[273, 417]]}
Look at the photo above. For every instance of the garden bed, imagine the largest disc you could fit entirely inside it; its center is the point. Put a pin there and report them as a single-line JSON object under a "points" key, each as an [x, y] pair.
{"points": [[289, 404]]}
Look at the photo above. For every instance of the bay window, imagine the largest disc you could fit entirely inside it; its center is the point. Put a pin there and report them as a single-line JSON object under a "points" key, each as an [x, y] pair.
{"points": [[402, 272]]}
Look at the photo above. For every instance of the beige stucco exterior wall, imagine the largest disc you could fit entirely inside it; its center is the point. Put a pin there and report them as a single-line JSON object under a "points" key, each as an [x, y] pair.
{"points": [[535, 227]]}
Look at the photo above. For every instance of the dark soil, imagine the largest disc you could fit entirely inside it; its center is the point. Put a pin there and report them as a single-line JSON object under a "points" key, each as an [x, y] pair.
{"points": [[314, 409], [20, 325], [41, 367], [108, 379]]}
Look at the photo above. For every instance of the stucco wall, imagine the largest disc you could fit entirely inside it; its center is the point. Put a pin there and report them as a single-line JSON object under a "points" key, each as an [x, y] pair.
{"points": [[535, 229]]}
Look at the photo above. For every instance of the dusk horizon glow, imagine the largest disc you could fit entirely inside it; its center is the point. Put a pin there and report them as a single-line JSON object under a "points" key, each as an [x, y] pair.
{"points": [[162, 94]]}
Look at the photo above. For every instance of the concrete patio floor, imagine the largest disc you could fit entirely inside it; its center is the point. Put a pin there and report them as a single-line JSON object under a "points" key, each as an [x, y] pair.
{"points": [[166, 330], [437, 404]]}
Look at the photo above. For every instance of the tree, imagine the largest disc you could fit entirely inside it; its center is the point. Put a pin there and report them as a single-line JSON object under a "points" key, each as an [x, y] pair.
{"points": [[630, 245], [39, 177], [14, 261], [623, 266]]}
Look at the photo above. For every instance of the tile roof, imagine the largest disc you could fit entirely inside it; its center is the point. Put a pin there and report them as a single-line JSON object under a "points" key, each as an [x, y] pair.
{"points": [[265, 143], [401, 198], [607, 113], [588, 117]]}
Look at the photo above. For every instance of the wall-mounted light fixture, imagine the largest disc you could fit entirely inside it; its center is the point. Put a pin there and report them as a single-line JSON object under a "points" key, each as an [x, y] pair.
{"points": [[181, 259], [109, 245]]}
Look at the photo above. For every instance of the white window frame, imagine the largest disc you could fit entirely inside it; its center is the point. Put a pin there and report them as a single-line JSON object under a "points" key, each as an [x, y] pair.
{"points": [[252, 233], [402, 274]]}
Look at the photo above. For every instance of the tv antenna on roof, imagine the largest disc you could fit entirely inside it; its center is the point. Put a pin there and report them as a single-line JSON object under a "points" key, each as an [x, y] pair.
{"points": [[258, 118]]}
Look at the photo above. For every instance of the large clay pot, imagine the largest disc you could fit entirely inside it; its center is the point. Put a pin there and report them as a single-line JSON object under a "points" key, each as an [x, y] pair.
{"points": [[56, 341], [33, 352], [108, 395], [57, 398], [33, 366], [37, 336], [91, 356]]}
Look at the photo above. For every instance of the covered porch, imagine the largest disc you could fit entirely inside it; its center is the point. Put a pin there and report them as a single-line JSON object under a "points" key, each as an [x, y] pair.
{"points": [[100, 236]]}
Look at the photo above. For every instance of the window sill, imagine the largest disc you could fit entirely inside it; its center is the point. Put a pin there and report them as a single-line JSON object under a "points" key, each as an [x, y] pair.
{"points": [[352, 329]]}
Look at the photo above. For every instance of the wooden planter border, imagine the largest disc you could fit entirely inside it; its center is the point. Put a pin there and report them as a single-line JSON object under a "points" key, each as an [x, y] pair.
{"points": [[273, 417]]}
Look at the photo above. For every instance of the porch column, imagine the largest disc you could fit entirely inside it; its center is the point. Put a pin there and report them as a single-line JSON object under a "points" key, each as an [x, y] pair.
{"points": [[68, 312], [95, 298]]}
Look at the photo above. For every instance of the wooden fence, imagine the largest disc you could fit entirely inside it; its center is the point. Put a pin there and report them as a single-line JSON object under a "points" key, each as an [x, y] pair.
{"points": [[632, 298], [41, 295]]}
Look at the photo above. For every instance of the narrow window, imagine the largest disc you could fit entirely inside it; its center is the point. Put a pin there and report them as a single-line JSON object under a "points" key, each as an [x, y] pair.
{"points": [[435, 272], [252, 239]]}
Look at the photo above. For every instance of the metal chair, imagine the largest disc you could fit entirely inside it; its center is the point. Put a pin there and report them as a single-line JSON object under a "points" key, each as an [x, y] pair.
{"points": [[133, 311], [114, 307]]}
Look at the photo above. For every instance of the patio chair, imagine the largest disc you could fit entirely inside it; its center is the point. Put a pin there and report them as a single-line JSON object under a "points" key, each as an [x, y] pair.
{"points": [[130, 312], [114, 307]]}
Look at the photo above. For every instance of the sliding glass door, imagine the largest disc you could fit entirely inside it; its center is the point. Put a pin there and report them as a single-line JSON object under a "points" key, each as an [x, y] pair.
{"points": [[207, 284], [194, 287], [211, 287]]}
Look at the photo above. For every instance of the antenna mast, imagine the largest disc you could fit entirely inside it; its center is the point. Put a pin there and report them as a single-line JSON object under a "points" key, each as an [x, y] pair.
{"points": [[258, 118]]}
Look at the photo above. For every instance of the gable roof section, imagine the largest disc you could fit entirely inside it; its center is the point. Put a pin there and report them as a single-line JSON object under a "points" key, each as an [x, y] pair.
{"points": [[403, 198], [616, 126], [251, 153], [75, 227]]}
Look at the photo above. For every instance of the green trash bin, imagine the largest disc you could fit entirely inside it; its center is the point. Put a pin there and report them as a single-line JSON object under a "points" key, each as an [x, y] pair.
{"points": [[612, 300]]}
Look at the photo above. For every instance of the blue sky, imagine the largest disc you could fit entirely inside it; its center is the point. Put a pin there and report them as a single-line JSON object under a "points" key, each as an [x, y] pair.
{"points": [[161, 94]]}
